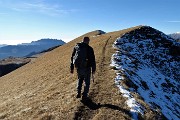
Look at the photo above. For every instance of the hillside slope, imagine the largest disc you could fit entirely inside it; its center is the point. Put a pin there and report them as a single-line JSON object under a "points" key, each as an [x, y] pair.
{"points": [[45, 89]]}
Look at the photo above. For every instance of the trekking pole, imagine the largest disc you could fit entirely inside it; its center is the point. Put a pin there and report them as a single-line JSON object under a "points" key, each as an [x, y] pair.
{"points": [[93, 77]]}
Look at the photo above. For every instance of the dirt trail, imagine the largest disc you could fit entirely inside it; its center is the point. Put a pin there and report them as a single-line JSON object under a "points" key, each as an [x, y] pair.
{"points": [[45, 89], [86, 109], [90, 108]]}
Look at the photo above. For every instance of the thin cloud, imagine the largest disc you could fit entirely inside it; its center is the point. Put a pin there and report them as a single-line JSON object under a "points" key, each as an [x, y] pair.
{"points": [[3, 13], [40, 7], [174, 21]]}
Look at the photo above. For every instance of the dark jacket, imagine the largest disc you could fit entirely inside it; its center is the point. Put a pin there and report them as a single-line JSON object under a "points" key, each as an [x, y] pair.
{"points": [[91, 57]]}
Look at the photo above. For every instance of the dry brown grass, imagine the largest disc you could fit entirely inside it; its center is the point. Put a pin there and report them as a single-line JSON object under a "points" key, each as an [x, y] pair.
{"points": [[44, 89]]}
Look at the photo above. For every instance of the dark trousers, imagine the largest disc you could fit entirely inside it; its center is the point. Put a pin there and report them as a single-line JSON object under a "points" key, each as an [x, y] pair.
{"points": [[84, 74]]}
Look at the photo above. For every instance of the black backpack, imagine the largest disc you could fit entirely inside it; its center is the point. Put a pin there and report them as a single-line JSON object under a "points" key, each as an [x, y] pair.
{"points": [[80, 59]]}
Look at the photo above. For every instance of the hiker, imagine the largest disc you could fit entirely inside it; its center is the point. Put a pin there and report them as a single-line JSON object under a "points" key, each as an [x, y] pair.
{"points": [[83, 59]]}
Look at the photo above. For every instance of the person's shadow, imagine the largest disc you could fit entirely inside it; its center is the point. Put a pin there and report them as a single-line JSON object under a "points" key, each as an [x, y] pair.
{"points": [[94, 106]]}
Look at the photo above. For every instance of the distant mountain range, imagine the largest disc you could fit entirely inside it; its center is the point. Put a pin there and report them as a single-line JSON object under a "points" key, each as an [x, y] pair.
{"points": [[25, 49], [175, 36], [2, 45]]}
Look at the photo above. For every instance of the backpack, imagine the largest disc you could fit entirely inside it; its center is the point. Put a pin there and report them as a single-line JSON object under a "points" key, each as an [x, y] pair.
{"points": [[80, 59]]}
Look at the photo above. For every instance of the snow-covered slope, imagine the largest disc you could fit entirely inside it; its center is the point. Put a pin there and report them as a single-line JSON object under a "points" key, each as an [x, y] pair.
{"points": [[150, 60]]}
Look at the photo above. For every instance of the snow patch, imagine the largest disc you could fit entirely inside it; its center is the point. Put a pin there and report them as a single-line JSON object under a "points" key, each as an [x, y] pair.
{"points": [[131, 102], [146, 60]]}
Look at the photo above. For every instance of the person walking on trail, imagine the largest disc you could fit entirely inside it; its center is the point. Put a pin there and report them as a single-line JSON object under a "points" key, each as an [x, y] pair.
{"points": [[83, 59]]}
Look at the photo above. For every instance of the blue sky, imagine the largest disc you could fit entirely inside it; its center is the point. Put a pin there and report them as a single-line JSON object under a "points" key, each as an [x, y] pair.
{"points": [[23, 21]]}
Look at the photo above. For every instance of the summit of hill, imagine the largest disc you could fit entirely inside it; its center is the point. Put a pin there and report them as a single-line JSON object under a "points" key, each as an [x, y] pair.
{"points": [[45, 89]]}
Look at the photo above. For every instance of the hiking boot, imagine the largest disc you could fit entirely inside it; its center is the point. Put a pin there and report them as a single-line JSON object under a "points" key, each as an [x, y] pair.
{"points": [[78, 95]]}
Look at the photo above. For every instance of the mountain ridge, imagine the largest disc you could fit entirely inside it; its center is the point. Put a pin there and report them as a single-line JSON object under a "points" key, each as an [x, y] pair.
{"points": [[44, 41], [145, 57], [2, 45], [45, 89], [24, 49]]}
